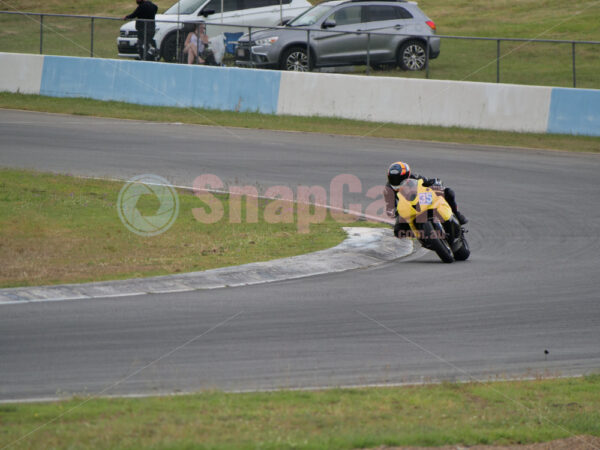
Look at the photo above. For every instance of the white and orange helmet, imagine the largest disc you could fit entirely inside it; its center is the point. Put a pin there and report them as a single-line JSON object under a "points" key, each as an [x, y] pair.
{"points": [[397, 173]]}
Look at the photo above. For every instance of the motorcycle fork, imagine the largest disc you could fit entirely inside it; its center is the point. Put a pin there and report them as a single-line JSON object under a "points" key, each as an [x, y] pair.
{"points": [[437, 227]]}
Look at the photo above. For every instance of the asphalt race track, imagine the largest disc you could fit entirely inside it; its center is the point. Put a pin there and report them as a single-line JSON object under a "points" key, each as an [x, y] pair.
{"points": [[531, 285]]}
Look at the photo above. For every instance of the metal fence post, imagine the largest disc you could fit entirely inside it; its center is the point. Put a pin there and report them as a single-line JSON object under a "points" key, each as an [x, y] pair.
{"points": [[574, 70], [92, 38], [368, 53], [177, 50], [308, 50], [197, 60], [41, 34], [427, 58], [145, 49], [498, 61], [250, 45]]}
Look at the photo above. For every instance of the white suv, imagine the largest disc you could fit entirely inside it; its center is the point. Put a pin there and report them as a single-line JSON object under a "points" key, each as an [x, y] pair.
{"points": [[237, 12]]}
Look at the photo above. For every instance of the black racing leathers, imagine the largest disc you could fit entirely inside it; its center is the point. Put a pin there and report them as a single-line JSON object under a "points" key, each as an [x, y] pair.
{"points": [[391, 200], [145, 29]]}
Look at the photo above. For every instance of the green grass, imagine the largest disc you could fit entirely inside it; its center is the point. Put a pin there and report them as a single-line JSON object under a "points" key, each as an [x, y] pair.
{"points": [[521, 63], [60, 229], [121, 110], [62, 36], [459, 414]]}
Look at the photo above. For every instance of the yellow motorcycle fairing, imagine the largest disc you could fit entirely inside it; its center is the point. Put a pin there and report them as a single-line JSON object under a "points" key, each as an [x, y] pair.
{"points": [[414, 200]]}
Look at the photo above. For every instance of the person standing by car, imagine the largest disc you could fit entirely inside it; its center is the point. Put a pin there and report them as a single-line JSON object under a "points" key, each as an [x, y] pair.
{"points": [[145, 28]]}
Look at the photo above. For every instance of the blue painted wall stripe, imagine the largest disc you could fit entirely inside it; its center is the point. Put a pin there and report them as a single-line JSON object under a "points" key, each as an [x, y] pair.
{"points": [[150, 83], [574, 111]]}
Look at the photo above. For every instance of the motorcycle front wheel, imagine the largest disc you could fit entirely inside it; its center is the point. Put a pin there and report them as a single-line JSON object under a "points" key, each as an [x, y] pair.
{"points": [[433, 241]]}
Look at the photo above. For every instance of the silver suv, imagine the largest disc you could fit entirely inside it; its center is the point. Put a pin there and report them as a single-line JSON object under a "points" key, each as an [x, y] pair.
{"points": [[342, 33]]}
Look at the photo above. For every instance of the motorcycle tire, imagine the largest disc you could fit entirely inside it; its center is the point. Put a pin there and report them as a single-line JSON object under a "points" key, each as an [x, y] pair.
{"points": [[439, 246]]}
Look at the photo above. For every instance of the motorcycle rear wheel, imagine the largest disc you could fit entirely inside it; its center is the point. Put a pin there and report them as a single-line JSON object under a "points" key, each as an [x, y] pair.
{"points": [[463, 253]]}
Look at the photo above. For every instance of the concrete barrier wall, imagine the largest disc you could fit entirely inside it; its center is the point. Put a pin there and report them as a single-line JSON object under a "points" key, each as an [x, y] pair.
{"points": [[419, 102], [575, 111], [20, 73], [151, 83], [395, 100]]}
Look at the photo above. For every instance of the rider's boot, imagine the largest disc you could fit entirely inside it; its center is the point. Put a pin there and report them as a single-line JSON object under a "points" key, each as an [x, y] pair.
{"points": [[461, 217]]}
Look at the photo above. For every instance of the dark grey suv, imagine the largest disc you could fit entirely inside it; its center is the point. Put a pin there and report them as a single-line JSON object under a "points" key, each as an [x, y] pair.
{"points": [[342, 33]]}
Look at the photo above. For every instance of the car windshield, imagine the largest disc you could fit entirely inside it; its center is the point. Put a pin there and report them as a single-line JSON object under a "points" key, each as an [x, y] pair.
{"points": [[185, 7], [311, 16]]}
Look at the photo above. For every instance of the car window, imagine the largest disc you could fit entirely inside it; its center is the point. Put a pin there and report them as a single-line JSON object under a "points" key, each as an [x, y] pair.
{"points": [[247, 4], [347, 16], [403, 13], [185, 7], [215, 5], [377, 13], [228, 5], [310, 16]]}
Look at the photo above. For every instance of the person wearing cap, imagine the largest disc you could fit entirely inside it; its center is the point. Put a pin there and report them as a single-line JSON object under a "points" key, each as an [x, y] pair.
{"points": [[400, 171], [146, 27]]}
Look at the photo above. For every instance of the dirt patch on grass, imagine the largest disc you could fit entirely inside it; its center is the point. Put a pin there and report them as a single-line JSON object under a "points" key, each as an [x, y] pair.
{"points": [[572, 443]]}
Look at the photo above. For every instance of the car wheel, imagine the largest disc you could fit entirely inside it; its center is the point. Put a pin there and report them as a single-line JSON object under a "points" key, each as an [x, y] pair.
{"points": [[412, 56], [296, 59], [168, 48]]}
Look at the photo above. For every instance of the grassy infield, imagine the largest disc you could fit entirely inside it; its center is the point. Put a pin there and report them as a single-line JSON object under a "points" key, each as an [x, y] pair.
{"points": [[512, 412], [58, 229]]}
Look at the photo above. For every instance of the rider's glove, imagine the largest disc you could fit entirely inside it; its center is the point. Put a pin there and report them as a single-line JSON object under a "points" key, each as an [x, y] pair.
{"points": [[437, 184]]}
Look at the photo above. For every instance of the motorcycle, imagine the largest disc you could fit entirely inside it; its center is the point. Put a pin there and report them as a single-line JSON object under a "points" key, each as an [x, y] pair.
{"points": [[431, 220]]}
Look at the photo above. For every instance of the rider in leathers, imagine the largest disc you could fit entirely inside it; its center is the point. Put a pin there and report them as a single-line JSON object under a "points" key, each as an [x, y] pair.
{"points": [[145, 28], [400, 171]]}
